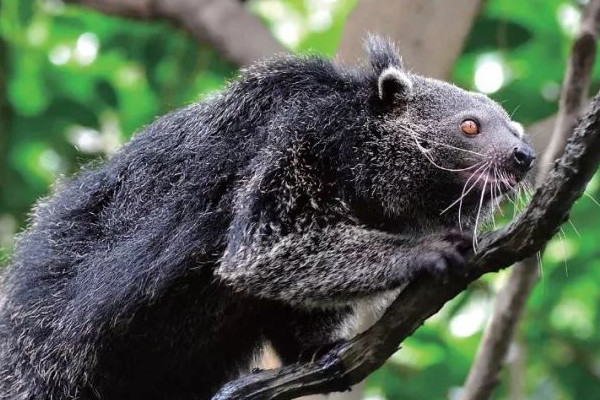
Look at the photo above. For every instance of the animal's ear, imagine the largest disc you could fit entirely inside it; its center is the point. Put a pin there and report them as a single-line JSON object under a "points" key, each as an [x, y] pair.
{"points": [[392, 81], [393, 85]]}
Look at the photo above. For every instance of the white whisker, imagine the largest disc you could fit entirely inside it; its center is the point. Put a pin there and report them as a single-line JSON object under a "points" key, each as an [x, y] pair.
{"points": [[573, 226], [415, 134], [540, 265], [492, 195], [592, 198], [425, 152], [500, 193], [562, 237], [475, 244], [463, 194]]}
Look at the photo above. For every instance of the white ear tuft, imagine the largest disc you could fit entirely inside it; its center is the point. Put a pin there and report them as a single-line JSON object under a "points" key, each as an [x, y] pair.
{"points": [[394, 83]]}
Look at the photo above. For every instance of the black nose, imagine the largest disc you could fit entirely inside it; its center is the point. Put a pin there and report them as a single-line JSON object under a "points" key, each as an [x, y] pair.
{"points": [[524, 156]]}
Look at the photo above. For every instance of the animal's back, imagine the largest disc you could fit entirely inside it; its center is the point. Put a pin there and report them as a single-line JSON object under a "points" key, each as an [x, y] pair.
{"points": [[116, 272]]}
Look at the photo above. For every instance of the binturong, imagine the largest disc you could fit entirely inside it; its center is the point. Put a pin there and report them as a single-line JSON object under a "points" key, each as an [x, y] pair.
{"points": [[288, 210]]}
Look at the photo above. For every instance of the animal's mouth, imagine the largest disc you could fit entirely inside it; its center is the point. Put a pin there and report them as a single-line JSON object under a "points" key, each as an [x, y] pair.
{"points": [[494, 181], [484, 183]]}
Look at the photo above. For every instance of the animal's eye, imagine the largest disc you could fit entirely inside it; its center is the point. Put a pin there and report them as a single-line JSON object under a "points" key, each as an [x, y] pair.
{"points": [[469, 127]]}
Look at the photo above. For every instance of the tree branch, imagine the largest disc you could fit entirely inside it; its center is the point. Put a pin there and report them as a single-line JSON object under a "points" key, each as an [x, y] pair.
{"points": [[512, 299], [576, 84], [224, 24], [351, 362]]}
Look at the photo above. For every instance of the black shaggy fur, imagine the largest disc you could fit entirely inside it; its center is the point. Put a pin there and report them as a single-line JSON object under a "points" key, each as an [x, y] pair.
{"points": [[273, 212]]}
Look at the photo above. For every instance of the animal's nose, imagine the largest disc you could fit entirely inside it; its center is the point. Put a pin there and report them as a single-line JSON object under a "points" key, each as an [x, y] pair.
{"points": [[524, 156]]}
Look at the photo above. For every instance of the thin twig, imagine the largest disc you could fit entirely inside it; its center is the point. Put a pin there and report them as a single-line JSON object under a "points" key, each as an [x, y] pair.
{"points": [[512, 299]]}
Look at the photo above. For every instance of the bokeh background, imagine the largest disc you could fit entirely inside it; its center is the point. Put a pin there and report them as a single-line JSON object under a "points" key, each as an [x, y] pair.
{"points": [[75, 84]]}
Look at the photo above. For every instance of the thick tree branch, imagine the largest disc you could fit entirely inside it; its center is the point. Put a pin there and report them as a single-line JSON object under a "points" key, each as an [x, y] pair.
{"points": [[351, 362], [512, 299], [224, 24]]}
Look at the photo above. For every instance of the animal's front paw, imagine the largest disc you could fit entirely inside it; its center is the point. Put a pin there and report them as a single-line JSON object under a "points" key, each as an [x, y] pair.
{"points": [[443, 254]]}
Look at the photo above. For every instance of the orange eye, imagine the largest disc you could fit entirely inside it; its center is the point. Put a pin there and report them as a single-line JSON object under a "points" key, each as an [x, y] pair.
{"points": [[469, 127]]}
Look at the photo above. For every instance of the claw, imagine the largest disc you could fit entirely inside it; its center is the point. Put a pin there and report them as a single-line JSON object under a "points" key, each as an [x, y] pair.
{"points": [[445, 255]]}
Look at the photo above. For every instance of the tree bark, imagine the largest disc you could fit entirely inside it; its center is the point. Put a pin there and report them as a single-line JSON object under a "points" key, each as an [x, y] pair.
{"points": [[223, 24], [351, 362], [511, 301]]}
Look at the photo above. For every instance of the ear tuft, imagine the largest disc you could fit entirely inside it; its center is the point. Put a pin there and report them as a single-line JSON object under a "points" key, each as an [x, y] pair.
{"points": [[382, 53], [393, 84]]}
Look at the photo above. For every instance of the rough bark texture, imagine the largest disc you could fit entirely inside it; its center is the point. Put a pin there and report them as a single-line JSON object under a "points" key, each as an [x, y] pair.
{"points": [[512, 299], [351, 362], [224, 24], [430, 33]]}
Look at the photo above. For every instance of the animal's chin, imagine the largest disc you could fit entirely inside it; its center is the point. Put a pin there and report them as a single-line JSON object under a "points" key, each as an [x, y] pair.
{"points": [[495, 183]]}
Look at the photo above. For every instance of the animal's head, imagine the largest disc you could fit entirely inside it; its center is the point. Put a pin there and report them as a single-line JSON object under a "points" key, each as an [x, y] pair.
{"points": [[434, 149]]}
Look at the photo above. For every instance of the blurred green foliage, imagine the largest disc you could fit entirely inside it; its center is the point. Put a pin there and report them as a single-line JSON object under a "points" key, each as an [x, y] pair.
{"points": [[75, 84]]}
